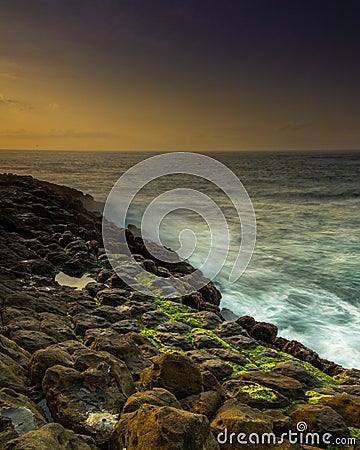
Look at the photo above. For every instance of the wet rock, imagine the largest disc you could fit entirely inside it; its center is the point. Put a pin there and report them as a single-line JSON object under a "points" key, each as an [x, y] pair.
{"points": [[293, 369], [156, 396], [149, 265], [176, 373], [348, 406], [299, 350], [51, 436], [18, 415], [32, 340], [14, 351], [109, 313], [163, 427], [319, 419], [287, 386], [112, 297], [254, 395]]}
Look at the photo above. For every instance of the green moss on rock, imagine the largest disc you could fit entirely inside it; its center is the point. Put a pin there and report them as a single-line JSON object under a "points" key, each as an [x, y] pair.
{"points": [[259, 392]]}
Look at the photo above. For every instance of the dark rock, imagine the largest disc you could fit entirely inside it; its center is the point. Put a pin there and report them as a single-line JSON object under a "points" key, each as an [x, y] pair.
{"points": [[126, 326], [176, 373], [152, 318], [281, 422], [293, 369], [18, 415], [227, 314], [230, 328], [205, 341], [242, 342], [122, 348], [246, 322], [84, 322], [263, 331], [163, 428], [173, 327], [156, 396], [209, 320], [175, 341], [229, 355]]}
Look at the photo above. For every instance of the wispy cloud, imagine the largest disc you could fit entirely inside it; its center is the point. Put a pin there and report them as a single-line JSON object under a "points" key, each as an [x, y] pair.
{"points": [[4, 100], [56, 134]]}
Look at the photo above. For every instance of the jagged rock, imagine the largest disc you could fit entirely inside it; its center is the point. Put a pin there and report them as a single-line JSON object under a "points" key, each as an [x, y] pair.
{"points": [[299, 350], [32, 340], [287, 386], [163, 428], [320, 419], [293, 369], [126, 326], [84, 322], [18, 415], [176, 373], [51, 436], [209, 320], [348, 406], [254, 395], [208, 362], [172, 327], [175, 341], [152, 318], [230, 328], [263, 331], [242, 342], [202, 340], [156, 396], [112, 297], [246, 322]]}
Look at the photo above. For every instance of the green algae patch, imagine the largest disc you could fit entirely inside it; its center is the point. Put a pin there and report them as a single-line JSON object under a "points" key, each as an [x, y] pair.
{"points": [[213, 335], [268, 363], [238, 369], [313, 397], [354, 432], [259, 392], [341, 378], [178, 312], [153, 336], [252, 353]]}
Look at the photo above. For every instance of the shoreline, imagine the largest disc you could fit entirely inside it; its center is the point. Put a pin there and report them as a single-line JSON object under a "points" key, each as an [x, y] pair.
{"points": [[55, 340]]}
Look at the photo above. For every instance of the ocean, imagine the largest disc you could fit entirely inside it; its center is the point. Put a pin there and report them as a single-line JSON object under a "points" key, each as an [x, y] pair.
{"points": [[304, 275]]}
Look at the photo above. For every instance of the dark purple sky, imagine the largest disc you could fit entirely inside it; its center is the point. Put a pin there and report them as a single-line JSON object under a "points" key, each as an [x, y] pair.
{"points": [[180, 74]]}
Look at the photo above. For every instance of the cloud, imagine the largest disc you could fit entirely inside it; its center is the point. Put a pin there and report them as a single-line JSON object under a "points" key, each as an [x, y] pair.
{"points": [[10, 75], [4, 100], [56, 134], [295, 126]]}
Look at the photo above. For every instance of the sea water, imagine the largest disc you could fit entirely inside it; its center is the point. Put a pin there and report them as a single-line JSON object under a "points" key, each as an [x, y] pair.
{"points": [[304, 275]]}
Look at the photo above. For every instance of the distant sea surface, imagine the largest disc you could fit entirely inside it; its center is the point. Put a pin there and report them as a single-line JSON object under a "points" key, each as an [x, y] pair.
{"points": [[305, 272]]}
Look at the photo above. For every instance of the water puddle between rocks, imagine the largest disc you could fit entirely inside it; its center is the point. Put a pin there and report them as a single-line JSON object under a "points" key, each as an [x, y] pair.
{"points": [[77, 283]]}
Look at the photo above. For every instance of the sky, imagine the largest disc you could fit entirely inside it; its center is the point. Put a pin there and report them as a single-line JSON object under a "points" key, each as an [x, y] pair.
{"points": [[179, 74]]}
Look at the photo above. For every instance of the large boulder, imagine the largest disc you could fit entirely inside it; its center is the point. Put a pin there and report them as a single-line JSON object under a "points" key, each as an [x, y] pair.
{"points": [[156, 397], [51, 436], [88, 398], [173, 372], [294, 369], [165, 428], [348, 406]]}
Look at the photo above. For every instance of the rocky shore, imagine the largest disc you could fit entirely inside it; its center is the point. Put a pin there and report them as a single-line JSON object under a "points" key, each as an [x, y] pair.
{"points": [[105, 367]]}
